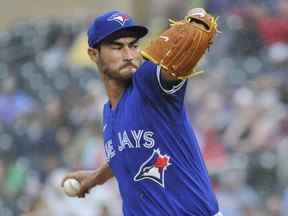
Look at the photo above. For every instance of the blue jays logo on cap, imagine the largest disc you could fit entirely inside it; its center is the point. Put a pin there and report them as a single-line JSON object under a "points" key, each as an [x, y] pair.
{"points": [[121, 19], [154, 168], [111, 22]]}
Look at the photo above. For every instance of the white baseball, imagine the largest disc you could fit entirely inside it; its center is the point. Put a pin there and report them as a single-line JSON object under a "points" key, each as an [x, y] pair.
{"points": [[71, 187], [197, 12]]}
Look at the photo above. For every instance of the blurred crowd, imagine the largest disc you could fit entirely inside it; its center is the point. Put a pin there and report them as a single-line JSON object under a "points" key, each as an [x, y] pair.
{"points": [[51, 107]]}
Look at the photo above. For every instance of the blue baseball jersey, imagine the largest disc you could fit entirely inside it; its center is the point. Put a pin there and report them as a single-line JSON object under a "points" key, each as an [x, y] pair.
{"points": [[153, 151]]}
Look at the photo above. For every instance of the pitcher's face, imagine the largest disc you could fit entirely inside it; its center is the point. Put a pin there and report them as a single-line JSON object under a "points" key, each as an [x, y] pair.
{"points": [[118, 58]]}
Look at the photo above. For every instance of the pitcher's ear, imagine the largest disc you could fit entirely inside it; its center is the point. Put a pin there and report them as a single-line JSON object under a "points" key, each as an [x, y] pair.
{"points": [[93, 54]]}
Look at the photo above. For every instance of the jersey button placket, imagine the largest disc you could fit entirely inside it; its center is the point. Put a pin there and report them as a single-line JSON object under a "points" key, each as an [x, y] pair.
{"points": [[113, 130]]}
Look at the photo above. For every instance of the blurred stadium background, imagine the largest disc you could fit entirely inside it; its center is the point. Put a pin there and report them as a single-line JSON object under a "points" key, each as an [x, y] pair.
{"points": [[51, 101]]}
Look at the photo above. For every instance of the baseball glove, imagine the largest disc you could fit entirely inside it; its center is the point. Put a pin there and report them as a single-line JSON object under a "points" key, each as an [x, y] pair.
{"points": [[179, 48]]}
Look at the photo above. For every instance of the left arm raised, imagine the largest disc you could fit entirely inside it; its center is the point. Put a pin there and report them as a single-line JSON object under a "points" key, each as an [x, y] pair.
{"points": [[178, 49]]}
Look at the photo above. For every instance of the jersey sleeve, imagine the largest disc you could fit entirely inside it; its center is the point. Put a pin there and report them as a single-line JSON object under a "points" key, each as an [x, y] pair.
{"points": [[148, 80]]}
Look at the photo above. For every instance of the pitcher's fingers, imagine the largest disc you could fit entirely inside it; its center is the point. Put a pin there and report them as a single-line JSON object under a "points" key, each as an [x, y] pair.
{"points": [[83, 191], [82, 194]]}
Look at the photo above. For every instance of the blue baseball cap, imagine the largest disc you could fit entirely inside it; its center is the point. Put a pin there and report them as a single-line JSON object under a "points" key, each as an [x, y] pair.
{"points": [[111, 22]]}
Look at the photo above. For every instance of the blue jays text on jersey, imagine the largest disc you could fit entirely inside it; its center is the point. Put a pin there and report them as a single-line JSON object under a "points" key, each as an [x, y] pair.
{"points": [[153, 150]]}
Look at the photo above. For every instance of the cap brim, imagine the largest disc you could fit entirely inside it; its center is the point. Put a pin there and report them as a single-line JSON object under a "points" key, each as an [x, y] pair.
{"points": [[138, 30]]}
